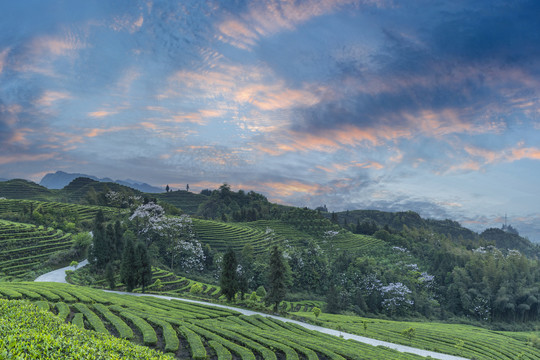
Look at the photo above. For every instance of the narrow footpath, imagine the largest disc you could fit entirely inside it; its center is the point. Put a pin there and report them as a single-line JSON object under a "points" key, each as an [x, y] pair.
{"points": [[60, 277]]}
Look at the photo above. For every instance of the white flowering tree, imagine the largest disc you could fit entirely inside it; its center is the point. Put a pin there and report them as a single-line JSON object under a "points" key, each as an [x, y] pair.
{"points": [[173, 235], [396, 297]]}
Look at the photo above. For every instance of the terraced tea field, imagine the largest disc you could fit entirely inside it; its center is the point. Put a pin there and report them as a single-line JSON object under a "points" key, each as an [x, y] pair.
{"points": [[190, 331], [22, 246], [461, 340], [23, 189], [187, 201], [82, 212], [221, 235]]}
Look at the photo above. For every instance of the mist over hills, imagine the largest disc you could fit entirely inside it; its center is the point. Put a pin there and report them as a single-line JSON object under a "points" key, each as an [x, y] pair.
{"points": [[60, 179]]}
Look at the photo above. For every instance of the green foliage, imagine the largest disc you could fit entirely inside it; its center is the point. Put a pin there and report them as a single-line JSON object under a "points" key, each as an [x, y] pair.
{"points": [[196, 289], [228, 280], [277, 279], [35, 334], [534, 341], [261, 292], [316, 311], [128, 267], [109, 276], [144, 268], [409, 333]]}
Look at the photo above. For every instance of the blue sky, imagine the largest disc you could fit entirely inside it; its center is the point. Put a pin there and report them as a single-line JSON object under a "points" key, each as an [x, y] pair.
{"points": [[424, 105]]}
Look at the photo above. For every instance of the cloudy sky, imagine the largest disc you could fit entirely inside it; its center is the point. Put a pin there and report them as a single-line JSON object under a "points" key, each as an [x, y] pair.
{"points": [[425, 105]]}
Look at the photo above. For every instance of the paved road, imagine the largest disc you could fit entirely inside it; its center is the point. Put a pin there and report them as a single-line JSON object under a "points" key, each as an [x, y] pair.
{"points": [[60, 276]]}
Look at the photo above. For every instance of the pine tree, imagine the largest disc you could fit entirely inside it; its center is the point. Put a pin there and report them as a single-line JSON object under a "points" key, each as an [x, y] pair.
{"points": [[99, 248], [228, 280], [128, 267], [109, 276], [278, 278], [118, 241], [144, 271]]}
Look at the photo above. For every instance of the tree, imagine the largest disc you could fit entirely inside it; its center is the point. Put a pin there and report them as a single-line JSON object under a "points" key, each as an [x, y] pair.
{"points": [[109, 276], [278, 278], [144, 271], [228, 280], [316, 311], [100, 251], [128, 267]]}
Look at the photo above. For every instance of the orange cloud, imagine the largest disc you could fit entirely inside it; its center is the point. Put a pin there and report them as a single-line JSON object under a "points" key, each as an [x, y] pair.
{"points": [[269, 17], [293, 187], [57, 45], [334, 139], [97, 132], [50, 97], [370, 165], [7, 159], [101, 113], [275, 97]]}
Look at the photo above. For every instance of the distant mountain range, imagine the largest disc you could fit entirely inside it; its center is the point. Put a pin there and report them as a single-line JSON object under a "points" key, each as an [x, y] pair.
{"points": [[60, 179], [2, 179]]}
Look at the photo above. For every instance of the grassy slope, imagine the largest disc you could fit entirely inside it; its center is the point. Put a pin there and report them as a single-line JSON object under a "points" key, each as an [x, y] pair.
{"points": [[24, 246], [462, 340], [221, 235], [22, 189], [9, 207], [183, 329], [31, 333]]}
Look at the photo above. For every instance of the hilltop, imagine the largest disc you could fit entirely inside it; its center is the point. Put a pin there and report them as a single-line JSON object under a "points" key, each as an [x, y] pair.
{"points": [[60, 179], [370, 221]]}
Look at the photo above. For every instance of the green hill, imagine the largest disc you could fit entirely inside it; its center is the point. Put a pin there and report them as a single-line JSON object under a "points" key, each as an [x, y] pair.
{"points": [[55, 214], [24, 247], [187, 201], [23, 189], [371, 220], [262, 234], [91, 192]]}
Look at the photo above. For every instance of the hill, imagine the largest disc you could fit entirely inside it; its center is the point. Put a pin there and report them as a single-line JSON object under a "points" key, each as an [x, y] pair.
{"points": [[24, 247], [60, 179], [54, 214], [23, 189], [187, 201], [369, 221], [87, 191]]}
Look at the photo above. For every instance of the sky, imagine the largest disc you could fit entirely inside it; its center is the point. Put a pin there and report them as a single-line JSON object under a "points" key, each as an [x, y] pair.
{"points": [[431, 106]]}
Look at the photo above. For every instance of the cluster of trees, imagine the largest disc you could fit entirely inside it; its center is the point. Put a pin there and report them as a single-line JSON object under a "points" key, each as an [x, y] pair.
{"points": [[115, 249], [475, 279], [58, 218], [226, 205], [234, 280]]}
